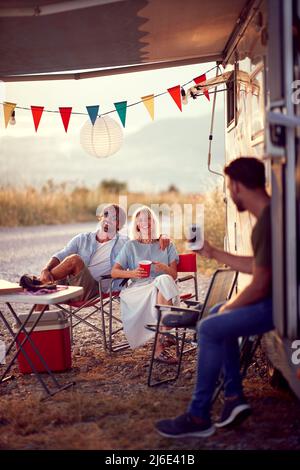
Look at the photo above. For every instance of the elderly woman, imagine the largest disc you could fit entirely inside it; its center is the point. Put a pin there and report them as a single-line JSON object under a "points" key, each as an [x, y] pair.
{"points": [[139, 299]]}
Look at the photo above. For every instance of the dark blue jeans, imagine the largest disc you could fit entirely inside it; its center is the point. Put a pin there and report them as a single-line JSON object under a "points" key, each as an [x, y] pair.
{"points": [[218, 347]]}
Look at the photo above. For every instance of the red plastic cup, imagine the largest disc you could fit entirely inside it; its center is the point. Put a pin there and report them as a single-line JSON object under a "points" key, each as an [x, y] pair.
{"points": [[146, 265]]}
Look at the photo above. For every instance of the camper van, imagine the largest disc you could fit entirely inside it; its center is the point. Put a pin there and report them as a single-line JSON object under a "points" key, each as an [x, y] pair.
{"points": [[256, 45], [260, 69]]}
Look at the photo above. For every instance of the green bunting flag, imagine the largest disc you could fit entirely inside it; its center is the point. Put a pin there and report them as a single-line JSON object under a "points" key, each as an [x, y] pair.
{"points": [[121, 108]]}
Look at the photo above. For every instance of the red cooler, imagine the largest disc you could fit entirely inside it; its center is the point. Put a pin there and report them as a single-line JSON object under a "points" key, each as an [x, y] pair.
{"points": [[52, 338]]}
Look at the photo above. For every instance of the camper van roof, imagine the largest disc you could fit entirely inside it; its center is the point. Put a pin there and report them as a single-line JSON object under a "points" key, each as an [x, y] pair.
{"points": [[105, 37]]}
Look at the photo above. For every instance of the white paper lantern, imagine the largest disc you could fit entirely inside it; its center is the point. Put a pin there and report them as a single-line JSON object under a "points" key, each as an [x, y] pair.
{"points": [[102, 139]]}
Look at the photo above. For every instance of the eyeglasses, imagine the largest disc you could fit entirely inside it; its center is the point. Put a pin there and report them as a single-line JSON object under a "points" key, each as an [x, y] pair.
{"points": [[107, 215]]}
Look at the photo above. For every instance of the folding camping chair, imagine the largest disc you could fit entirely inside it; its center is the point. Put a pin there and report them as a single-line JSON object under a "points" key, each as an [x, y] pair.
{"points": [[220, 289], [98, 308], [109, 316]]}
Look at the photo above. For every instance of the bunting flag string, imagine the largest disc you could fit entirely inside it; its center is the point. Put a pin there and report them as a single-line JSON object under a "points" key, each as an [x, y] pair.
{"points": [[37, 112], [199, 80], [93, 113], [8, 109], [176, 92], [149, 104], [121, 108], [65, 116]]}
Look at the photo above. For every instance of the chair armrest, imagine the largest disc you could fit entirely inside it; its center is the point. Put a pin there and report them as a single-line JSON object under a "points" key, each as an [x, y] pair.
{"points": [[108, 276], [175, 308], [185, 278], [193, 303]]}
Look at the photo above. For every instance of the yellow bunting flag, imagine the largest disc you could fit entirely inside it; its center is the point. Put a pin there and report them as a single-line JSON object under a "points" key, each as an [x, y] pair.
{"points": [[8, 109], [149, 103]]}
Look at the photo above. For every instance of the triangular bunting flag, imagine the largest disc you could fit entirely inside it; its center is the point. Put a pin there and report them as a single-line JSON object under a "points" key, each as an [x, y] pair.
{"points": [[121, 108], [65, 116], [199, 80], [175, 92], [149, 103], [93, 113], [8, 109], [37, 112]]}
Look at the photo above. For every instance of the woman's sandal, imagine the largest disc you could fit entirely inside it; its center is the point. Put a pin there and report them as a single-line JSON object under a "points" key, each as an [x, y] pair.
{"points": [[166, 357]]}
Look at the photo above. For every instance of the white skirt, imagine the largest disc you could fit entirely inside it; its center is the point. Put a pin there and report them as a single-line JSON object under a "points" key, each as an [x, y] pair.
{"points": [[138, 307]]}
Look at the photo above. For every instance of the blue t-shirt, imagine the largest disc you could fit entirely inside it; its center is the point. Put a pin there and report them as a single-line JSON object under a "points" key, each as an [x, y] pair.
{"points": [[133, 252]]}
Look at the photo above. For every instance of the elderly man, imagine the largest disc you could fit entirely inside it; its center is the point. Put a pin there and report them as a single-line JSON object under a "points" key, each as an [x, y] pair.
{"points": [[90, 255]]}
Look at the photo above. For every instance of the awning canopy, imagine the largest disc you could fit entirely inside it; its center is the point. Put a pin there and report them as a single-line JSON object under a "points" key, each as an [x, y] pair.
{"points": [[112, 36]]}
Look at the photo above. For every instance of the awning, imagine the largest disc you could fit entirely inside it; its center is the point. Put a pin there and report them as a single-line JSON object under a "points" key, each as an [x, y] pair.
{"points": [[112, 36]]}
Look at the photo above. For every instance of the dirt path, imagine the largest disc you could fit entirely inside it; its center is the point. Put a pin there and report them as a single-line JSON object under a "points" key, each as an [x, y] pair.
{"points": [[27, 249], [111, 406]]}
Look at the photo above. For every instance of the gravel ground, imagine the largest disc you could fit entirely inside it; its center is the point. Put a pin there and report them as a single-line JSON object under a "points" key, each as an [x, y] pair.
{"points": [[111, 395]]}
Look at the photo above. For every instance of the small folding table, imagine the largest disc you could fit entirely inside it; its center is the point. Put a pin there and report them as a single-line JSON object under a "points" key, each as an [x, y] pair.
{"points": [[32, 300]]}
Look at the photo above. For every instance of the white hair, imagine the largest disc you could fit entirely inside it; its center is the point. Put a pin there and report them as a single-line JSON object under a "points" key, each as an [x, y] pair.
{"points": [[135, 233]]}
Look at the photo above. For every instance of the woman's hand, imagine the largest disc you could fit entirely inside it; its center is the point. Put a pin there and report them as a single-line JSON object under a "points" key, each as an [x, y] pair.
{"points": [[138, 273], [160, 267]]}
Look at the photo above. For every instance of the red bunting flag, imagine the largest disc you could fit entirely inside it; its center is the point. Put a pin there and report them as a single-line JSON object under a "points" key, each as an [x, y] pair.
{"points": [[65, 116], [175, 92], [37, 112], [198, 81]]}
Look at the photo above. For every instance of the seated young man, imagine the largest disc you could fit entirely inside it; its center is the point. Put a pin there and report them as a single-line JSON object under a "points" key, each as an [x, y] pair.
{"points": [[249, 313]]}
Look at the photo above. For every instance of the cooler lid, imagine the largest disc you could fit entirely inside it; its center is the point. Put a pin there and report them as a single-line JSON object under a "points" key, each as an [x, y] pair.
{"points": [[49, 317]]}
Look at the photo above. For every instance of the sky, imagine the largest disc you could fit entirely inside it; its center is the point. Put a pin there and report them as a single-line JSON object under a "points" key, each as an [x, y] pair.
{"points": [[102, 91]]}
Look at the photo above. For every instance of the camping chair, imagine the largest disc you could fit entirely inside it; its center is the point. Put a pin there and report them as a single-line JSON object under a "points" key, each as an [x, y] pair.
{"points": [[97, 308], [220, 290], [109, 316], [188, 264]]}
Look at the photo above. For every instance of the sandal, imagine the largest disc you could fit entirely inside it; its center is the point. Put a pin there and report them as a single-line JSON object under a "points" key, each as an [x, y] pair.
{"points": [[166, 357], [167, 340]]}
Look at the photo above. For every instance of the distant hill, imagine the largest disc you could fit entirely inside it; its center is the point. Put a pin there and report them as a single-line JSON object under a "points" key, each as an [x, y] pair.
{"points": [[162, 153]]}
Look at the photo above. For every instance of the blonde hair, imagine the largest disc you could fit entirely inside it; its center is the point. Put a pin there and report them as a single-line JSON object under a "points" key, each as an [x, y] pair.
{"points": [[135, 232]]}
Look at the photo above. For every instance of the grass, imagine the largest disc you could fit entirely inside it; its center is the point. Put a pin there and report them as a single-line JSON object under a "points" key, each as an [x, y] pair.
{"points": [[111, 407]]}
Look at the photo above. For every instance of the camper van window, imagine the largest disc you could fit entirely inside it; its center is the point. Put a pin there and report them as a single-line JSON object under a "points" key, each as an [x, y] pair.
{"points": [[230, 99]]}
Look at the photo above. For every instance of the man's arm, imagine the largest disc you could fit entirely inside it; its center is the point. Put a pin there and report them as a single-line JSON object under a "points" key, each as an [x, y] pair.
{"points": [[243, 264], [164, 241], [71, 248], [46, 275], [258, 289]]}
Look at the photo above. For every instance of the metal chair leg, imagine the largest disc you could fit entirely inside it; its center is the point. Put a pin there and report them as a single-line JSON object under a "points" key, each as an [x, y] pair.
{"points": [[152, 383]]}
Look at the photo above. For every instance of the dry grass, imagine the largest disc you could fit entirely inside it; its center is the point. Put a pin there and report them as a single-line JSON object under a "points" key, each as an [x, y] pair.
{"points": [[55, 204], [111, 407]]}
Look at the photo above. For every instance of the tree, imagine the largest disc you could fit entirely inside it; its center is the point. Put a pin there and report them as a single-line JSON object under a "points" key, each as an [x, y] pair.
{"points": [[172, 189], [113, 186]]}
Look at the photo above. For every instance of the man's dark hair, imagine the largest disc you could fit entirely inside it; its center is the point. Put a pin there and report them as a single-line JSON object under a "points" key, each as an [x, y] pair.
{"points": [[247, 170]]}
